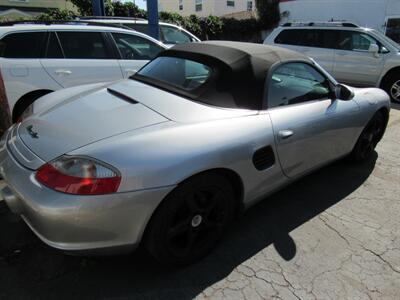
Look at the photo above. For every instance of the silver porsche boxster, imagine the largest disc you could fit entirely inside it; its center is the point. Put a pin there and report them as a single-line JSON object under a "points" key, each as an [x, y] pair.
{"points": [[172, 155]]}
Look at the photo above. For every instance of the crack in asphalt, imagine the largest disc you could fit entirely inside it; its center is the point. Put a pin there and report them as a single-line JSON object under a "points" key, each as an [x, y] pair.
{"points": [[333, 229], [382, 259]]}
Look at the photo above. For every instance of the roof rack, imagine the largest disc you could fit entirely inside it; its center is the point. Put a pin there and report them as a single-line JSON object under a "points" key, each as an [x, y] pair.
{"points": [[65, 22], [320, 24], [110, 18]]}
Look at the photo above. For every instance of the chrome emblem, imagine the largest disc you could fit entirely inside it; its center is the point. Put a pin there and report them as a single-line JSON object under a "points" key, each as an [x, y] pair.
{"points": [[32, 133]]}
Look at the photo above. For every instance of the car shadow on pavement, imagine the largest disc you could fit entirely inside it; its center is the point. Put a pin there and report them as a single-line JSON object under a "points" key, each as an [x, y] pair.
{"points": [[33, 270]]}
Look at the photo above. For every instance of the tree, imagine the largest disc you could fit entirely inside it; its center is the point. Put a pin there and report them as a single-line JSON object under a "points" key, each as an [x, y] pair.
{"points": [[268, 12], [128, 9], [85, 7], [56, 14]]}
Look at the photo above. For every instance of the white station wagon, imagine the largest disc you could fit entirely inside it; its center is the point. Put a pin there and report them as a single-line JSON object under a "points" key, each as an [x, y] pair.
{"points": [[36, 59]]}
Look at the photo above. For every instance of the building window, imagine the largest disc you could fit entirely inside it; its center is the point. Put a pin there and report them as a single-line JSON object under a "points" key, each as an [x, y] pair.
{"points": [[180, 4], [249, 5], [230, 3], [199, 5]]}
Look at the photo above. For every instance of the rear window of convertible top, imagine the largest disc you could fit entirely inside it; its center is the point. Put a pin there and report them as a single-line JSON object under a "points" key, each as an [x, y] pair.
{"points": [[178, 72]]}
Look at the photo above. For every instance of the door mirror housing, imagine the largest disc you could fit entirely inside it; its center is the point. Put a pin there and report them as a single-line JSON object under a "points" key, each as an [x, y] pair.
{"points": [[374, 49], [342, 92]]}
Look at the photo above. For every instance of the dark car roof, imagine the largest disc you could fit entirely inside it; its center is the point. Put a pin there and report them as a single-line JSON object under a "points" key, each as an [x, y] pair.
{"points": [[243, 68], [230, 53]]}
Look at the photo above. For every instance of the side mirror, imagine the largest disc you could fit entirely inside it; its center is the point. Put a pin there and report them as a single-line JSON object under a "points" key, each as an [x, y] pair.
{"points": [[342, 92], [374, 49]]}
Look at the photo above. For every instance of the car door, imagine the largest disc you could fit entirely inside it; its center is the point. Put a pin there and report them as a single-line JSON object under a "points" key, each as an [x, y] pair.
{"points": [[310, 126], [20, 55], [135, 51], [354, 63], [80, 57]]}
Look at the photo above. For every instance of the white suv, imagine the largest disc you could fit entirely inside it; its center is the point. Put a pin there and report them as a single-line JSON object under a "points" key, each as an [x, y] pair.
{"points": [[36, 59], [353, 55], [169, 34]]}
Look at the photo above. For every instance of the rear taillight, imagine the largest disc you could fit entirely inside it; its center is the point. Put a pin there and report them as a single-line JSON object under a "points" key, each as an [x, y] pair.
{"points": [[79, 176]]}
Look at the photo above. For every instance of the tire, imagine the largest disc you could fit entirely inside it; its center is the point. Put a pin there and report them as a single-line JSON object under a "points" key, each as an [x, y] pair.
{"points": [[369, 138], [392, 87], [191, 220]]}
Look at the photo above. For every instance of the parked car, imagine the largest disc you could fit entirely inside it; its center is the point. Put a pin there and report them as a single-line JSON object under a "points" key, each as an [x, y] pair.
{"points": [[36, 59], [172, 155], [353, 55], [169, 34]]}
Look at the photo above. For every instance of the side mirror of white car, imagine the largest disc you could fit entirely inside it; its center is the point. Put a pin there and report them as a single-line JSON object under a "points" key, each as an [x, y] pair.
{"points": [[374, 49], [342, 92]]}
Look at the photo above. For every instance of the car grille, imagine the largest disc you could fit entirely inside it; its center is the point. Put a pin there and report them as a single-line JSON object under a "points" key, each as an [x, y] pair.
{"points": [[20, 151]]}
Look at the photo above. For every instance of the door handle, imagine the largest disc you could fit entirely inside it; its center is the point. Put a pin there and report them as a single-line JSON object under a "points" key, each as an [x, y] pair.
{"points": [[284, 134], [63, 72]]}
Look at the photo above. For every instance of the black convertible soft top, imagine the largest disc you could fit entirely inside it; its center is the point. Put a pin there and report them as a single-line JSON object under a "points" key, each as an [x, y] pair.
{"points": [[242, 69]]}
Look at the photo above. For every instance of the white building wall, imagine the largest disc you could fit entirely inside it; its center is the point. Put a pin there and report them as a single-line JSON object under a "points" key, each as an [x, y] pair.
{"points": [[210, 7], [222, 9], [367, 13]]}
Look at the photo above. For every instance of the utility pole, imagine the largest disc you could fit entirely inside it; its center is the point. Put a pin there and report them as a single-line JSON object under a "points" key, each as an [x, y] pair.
{"points": [[152, 11], [98, 8]]}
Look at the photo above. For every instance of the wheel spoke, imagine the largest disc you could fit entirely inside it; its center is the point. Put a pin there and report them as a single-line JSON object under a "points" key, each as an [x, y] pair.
{"points": [[212, 203], [178, 229], [395, 90], [191, 240], [192, 203], [211, 225]]}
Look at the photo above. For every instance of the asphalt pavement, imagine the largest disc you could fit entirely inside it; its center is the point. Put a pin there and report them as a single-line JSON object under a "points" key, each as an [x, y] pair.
{"points": [[332, 235]]}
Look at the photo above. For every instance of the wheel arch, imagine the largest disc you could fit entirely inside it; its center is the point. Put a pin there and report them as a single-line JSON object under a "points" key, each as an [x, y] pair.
{"points": [[385, 112], [234, 179], [26, 100], [387, 75]]}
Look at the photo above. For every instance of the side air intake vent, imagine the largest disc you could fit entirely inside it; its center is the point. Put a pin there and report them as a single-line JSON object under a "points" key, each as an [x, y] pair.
{"points": [[264, 158]]}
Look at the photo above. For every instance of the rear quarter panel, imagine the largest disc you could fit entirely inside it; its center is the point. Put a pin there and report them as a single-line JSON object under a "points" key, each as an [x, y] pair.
{"points": [[169, 153]]}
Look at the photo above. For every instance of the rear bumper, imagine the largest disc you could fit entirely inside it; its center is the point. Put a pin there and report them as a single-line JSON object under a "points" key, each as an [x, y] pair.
{"points": [[77, 223]]}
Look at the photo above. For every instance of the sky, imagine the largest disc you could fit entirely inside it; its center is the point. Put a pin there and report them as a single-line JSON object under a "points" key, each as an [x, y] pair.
{"points": [[140, 3]]}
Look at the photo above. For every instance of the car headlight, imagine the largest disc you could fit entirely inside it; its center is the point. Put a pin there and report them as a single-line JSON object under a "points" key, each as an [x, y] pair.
{"points": [[79, 176]]}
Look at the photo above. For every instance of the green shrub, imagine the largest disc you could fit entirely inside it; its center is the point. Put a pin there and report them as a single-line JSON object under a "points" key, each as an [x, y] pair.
{"points": [[56, 14], [210, 27]]}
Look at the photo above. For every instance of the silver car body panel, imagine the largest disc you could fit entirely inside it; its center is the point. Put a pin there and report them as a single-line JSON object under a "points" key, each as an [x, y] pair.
{"points": [[177, 139], [116, 220]]}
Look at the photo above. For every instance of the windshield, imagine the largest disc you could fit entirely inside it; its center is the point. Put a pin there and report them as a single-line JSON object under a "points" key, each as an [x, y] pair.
{"points": [[180, 73], [387, 40], [172, 35]]}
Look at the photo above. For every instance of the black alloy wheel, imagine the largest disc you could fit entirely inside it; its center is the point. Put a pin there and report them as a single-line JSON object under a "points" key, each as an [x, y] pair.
{"points": [[369, 138], [191, 220]]}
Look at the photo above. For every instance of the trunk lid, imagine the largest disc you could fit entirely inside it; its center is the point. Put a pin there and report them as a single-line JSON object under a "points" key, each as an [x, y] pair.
{"points": [[79, 121]]}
